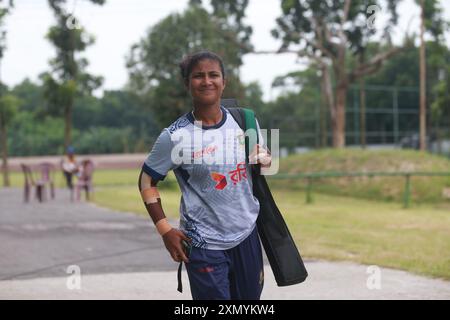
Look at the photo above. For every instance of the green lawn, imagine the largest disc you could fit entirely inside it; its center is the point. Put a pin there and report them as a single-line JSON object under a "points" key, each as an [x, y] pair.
{"points": [[423, 189], [101, 178], [109, 178], [336, 227], [340, 228]]}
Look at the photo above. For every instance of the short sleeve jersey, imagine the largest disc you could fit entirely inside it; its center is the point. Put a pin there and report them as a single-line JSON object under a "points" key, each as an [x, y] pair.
{"points": [[217, 208]]}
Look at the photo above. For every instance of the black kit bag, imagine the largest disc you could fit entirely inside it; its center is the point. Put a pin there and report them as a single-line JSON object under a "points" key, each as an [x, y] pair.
{"points": [[284, 258]]}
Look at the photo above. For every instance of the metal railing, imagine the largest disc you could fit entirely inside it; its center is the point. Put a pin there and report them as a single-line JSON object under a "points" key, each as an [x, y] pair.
{"points": [[318, 175]]}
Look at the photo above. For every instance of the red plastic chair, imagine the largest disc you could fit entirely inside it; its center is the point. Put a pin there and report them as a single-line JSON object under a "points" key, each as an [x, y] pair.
{"points": [[46, 178], [47, 172], [29, 182], [85, 179]]}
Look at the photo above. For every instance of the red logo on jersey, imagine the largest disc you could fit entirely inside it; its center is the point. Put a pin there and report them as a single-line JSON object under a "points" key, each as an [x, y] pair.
{"points": [[208, 150], [221, 180], [239, 173]]}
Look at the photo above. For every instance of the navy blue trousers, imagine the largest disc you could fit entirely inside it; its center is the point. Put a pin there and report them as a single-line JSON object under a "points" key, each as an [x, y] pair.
{"points": [[236, 274]]}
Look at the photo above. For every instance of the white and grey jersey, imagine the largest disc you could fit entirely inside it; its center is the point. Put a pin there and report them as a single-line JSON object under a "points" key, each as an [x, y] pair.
{"points": [[217, 209]]}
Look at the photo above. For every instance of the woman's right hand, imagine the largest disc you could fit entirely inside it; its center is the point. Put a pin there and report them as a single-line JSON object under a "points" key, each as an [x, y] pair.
{"points": [[172, 240]]}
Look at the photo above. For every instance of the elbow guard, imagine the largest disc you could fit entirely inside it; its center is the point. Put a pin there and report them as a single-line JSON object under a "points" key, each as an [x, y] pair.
{"points": [[149, 193]]}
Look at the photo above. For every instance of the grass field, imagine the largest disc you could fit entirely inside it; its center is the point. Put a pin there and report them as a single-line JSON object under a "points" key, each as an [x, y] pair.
{"points": [[423, 189], [340, 228], [336, 226], [101, 178]]}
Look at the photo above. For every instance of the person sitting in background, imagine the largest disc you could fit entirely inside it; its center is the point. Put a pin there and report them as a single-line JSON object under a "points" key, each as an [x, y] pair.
{"points": [[69, 168]]}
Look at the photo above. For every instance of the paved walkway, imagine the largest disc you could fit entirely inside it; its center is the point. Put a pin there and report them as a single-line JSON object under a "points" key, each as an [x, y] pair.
{"points": [[120, 256]]}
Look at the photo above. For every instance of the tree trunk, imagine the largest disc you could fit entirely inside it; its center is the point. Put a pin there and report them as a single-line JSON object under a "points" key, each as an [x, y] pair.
{"points": [[339, 119], [362, 115], [323, 122], [68, 125], [422, 81], [362, 105], [4, 144], [328, 98]]}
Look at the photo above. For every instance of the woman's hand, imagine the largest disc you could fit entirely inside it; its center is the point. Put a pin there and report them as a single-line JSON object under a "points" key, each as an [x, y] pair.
{"points": [[260, 155], [172, 240]]}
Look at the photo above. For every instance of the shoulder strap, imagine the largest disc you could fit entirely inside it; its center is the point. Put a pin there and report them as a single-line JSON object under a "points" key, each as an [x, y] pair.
{"points": [[238, 116], [246, 120], [250, 123]]}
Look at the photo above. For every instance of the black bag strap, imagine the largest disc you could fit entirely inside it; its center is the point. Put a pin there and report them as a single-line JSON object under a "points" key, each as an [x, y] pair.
{"points": [[282, 253], [238, 116], [180, 283]]}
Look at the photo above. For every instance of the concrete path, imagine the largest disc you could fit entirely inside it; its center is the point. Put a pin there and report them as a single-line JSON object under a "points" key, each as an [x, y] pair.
{"points": [[120, 256]]}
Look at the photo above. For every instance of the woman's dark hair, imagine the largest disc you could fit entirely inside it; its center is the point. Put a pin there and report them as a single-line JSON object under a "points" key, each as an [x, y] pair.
{"points": [[190, 61]]}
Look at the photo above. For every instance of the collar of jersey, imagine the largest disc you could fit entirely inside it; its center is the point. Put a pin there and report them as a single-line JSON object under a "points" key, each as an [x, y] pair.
{"points": [[214, 126]]}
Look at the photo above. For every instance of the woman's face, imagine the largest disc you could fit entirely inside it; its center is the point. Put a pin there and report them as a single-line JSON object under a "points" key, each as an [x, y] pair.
{"points": [[206, 82]]}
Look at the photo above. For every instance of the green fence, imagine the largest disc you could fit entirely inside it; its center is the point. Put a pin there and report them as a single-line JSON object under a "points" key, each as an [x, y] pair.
{"points": [[309, 177]]}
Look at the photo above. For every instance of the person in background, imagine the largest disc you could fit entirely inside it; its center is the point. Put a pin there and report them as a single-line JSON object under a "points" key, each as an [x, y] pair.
{"points": [[69, 167]]}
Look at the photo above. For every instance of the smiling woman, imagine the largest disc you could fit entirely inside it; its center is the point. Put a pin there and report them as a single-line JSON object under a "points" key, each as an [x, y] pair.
{"points": [[217, 238], [204, 77]]}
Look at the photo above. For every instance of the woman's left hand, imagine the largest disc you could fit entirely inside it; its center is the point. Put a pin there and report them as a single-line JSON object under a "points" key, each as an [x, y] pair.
{"points": [[260, 155]]}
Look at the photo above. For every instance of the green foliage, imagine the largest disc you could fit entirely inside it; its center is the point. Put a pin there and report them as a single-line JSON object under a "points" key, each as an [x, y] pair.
{"points": [[403, 70], [67, 75], [101, 140], [441, 105], [115, 122], [31, 96], [230, 15], [253, 100], [153, 62], [5, 9], [28, 137], [298, 20], [435, 22], [295, 111], [9, 105]]}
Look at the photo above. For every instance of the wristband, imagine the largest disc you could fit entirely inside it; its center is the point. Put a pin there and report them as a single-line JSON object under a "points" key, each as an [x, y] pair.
{"points": [[163, 226]]}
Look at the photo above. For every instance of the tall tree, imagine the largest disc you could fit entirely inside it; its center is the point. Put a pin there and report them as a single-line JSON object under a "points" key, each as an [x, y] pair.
{"points": [[362, 104], [68, 75], [153, 62], [439, 81], [432, 22], [324, 32], [422, 78], [6, 111], [8, 108]]}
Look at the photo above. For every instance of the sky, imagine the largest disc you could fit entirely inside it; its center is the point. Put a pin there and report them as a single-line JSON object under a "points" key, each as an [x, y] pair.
{"points": [[119, 24]]}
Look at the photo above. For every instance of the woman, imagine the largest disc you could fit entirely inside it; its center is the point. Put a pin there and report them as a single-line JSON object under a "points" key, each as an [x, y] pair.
{"points": [[217, 239]]}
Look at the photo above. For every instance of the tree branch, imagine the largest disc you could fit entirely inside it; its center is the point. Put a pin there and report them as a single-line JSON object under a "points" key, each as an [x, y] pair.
{"points": [[346, 10], [273, 51], [374, 64]]}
